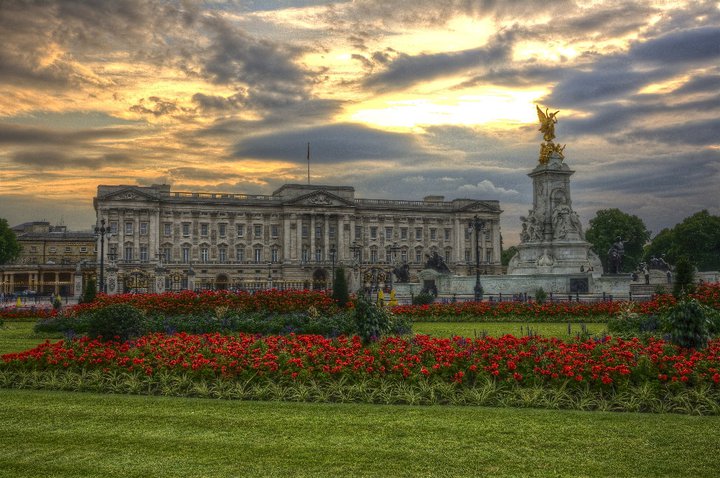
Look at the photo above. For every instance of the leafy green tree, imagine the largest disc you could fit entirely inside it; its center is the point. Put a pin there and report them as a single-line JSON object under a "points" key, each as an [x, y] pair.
{"points": [[697, 237], [9, 245], [508, 254], [90, 291], [684, 277], [609, 224], [340, 288]]}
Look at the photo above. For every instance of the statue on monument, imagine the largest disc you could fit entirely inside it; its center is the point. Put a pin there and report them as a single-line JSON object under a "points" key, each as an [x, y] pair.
{"points": [[549, 149], [615, 256]]}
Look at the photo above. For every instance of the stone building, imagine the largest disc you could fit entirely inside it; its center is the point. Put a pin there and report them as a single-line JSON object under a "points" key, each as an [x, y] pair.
{"points": [[49, 259], [160, 239]]}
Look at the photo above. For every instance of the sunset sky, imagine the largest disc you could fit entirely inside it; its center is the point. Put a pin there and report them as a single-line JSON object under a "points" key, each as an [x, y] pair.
{"points": [[400, 99]]}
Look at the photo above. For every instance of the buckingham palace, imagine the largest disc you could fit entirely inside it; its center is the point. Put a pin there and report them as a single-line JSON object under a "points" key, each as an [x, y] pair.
{"points": [[155, 239]]}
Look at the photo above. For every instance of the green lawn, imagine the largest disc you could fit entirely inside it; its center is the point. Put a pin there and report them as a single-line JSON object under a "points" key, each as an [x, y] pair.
{"points": [[19, 336], [498, 329], [54, 434]]}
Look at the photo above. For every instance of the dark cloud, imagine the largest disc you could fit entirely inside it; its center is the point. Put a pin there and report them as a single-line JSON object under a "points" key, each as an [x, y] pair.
{"points": [[697, 133], [32, 136], [334, 144], [406, 70], [157, 107], [49, 160], [219, 103]]}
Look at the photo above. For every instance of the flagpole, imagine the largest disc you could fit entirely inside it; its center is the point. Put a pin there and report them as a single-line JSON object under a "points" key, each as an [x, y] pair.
{"points": [[308, 160]]}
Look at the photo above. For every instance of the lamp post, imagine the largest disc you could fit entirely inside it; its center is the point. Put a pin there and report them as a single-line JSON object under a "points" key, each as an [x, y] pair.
{"points": [[478, 225], [101, 231], [356, 248], [332, 258]]}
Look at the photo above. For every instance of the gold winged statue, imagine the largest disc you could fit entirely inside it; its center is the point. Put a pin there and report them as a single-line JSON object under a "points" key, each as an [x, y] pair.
{"points": [[547, 123]]}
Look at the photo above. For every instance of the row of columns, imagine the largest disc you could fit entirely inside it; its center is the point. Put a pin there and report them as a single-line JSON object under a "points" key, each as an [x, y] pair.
{"points": [[36, 281]]}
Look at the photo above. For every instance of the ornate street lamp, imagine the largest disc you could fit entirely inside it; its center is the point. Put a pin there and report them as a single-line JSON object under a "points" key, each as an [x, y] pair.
{"points": [[101, 231], [478, 225]]}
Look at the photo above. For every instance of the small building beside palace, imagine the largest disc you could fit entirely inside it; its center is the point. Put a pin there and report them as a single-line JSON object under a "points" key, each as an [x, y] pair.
{"points": [[159, 240], [50, 259]]}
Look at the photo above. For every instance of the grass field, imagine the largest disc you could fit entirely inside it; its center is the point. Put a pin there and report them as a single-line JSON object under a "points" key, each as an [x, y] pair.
{"points": [[54, 434], [19, 336]]}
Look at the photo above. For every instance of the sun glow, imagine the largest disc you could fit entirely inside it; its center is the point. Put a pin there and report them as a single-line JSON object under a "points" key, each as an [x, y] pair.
{"points": [[405, 112]]}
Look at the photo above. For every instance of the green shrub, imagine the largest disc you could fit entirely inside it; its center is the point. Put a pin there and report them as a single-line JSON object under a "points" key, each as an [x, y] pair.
{"points": [[423, 298], [540, 295], [60, 323], [627, 323], [684, 277], [90, 291], [689, 324], [121, 321], [371, 321], [340, 288]]}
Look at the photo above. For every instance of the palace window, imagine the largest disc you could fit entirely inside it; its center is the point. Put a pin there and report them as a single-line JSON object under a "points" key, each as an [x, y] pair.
{"points": [[222, 254], [167, 229], [331, 232], [433, 234], [373, 232], [418, 233], [318, 231], [143, 228], [222, 229], [358, 233], [318, 254], [274, 231], [113, 227], [373, 255], [447, 234], [240, 254], [186, 229], [305, 254], [83, 249], [488, 255], [240, 230], [403, 255], [258, 254], [128, 228], [257, 230], [186, 254], [204, 229], [403, 233], [165, 253], [468, 255], [418, 255], [67, 250], [128, 254], [388, 232], [143, 253], [205, 254], [274, 254]]}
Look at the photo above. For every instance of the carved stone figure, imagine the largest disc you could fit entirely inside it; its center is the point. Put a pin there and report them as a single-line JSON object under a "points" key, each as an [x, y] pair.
{"points": [[615, 256], [402, 273], [437, 263]]}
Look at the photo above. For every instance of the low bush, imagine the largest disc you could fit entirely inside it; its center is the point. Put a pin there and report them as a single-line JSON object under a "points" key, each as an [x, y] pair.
{"points": [[690, 323], [423, 298], [122, 321]]}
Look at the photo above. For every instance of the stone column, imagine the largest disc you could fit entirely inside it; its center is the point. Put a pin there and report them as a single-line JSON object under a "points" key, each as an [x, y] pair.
{"points": [[326, 237], [341, 254], [286, 239], [312, 237], [78, 285], [298, 235]]}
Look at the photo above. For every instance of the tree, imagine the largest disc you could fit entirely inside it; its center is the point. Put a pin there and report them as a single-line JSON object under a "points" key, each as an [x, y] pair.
{"points": [[697, 237], [340, 288], [609, 224], [9, 245], [508, 254], [90, 291], [684, 277]]}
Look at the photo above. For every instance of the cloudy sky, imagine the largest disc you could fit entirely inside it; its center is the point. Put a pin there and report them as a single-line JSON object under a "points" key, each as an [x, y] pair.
{"points": [[400, 99]]}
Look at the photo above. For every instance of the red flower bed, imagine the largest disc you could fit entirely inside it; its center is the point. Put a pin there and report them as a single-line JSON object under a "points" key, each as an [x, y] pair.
{"points": [[187, 302], [16, 313], [528, 360], [551, 312]]}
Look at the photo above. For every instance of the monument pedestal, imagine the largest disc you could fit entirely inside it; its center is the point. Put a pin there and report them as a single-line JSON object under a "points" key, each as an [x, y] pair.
{"points": [[552, 240]]}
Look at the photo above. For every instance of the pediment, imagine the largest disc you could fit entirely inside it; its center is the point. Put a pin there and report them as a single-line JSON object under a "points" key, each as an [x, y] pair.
{"points": [[129, 194], [320, 198], [482, 206]]}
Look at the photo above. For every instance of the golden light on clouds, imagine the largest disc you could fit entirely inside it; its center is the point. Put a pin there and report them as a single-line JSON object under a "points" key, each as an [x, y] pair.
{"points": [[493, 106]]}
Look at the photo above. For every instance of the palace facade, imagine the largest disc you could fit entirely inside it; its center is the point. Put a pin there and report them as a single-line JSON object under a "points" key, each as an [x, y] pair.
{"points": [[50, 259], [158, 239]]}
